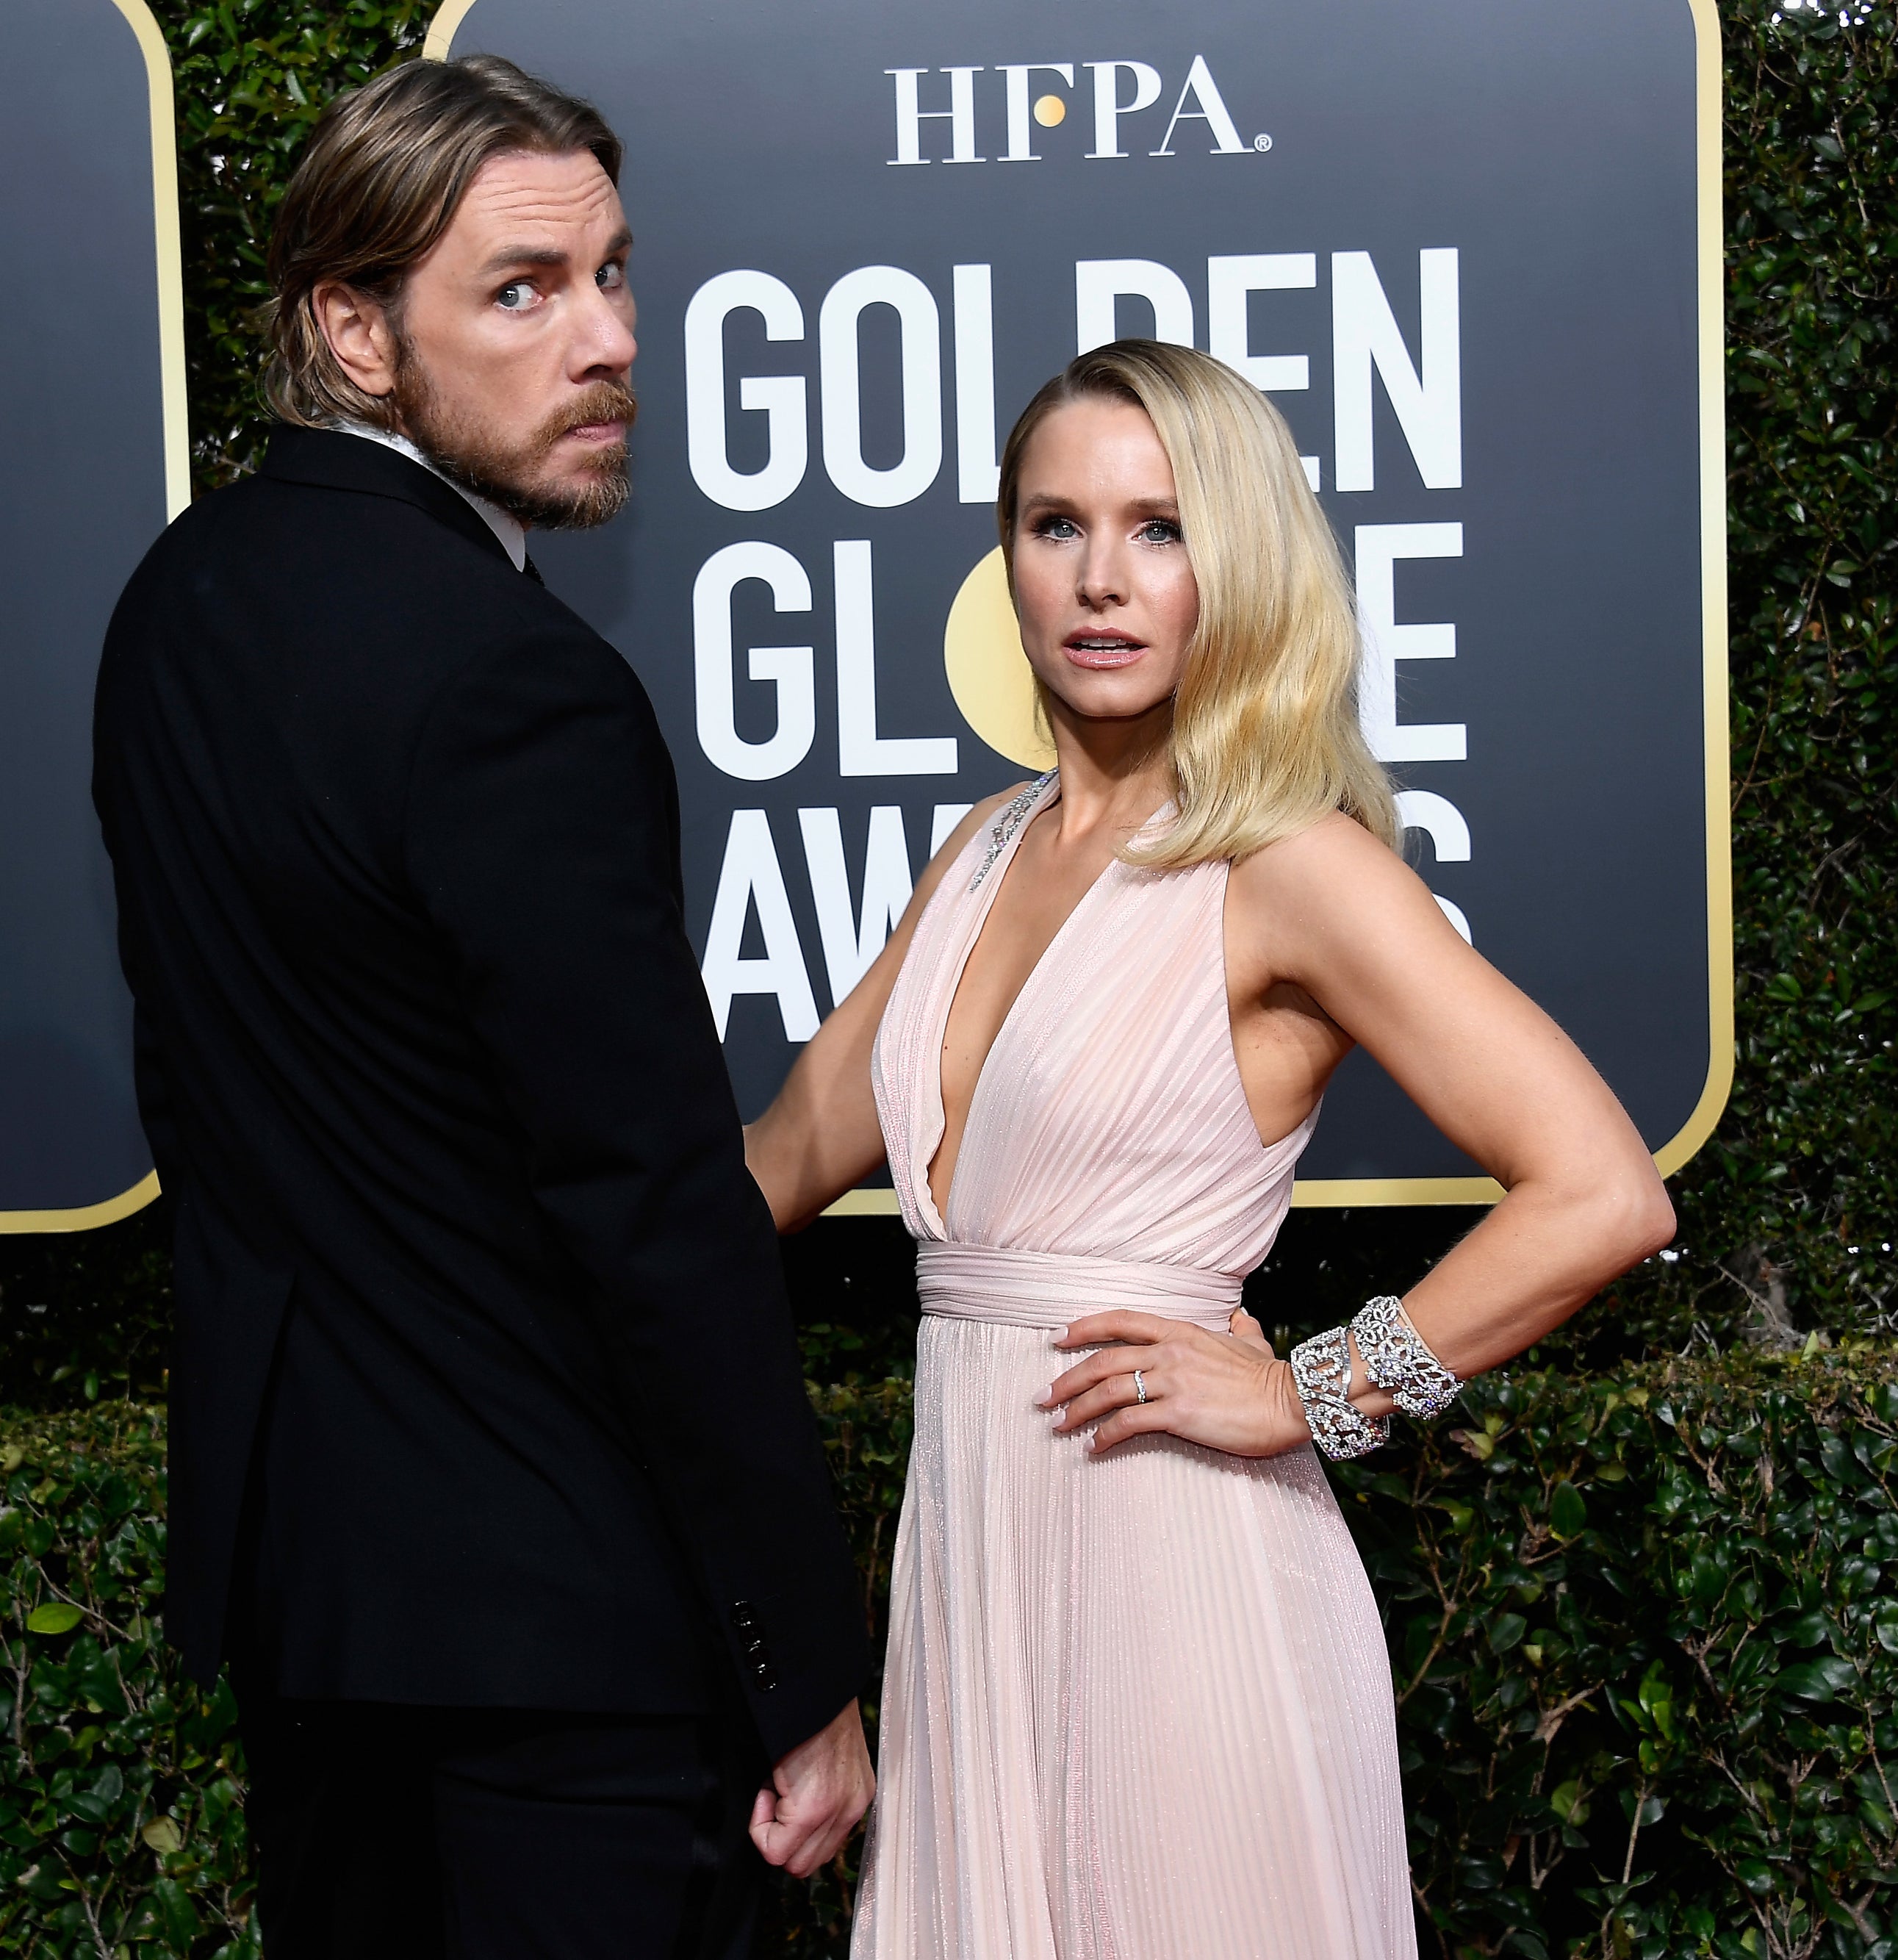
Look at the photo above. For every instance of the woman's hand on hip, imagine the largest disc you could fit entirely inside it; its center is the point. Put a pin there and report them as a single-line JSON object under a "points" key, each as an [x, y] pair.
{"points": [[1228, 1392]]}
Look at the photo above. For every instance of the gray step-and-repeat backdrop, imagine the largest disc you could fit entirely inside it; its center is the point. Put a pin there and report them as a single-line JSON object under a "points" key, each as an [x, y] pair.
{"points": [[93, 462], [1470, 247]]}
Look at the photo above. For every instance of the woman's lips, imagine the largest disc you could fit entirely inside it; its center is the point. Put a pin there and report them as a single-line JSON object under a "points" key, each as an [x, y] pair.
{"points": [[1100, 651]]}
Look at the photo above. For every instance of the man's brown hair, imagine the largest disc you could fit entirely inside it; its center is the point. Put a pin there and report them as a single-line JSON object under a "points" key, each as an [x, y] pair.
{"points": [[384, 172]]}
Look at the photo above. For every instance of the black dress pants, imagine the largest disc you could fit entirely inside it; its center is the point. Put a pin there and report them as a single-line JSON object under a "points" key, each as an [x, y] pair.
{"points": [[384, 1833]]}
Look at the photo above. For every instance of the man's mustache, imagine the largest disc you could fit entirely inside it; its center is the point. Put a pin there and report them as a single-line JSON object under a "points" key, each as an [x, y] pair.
{"points": [[603, 402]]}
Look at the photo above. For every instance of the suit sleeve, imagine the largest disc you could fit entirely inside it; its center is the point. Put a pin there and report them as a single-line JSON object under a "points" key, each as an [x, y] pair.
{"points": [[154, 1099], [540, 839], [155, 1111]]}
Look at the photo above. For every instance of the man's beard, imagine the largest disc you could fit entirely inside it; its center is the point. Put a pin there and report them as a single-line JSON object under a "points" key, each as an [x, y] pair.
{"points": [[509, 474]]}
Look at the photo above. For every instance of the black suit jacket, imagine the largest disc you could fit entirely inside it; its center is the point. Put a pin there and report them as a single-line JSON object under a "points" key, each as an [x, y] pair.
{"points": [[472, 1285]]}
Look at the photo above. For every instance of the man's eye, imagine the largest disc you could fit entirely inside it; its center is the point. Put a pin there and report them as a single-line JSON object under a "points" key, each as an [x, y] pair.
{"points": [[610, 278], [517, 296]]}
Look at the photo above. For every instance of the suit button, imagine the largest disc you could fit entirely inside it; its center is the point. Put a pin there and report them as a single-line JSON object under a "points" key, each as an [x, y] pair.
{"points": [[742, 1614], [767, 1679]]}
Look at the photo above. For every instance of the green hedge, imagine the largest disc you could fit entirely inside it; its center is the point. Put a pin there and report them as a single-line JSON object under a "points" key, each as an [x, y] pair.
{"points": [[121, 1803], [1645, 1651], [1791, 1210]]}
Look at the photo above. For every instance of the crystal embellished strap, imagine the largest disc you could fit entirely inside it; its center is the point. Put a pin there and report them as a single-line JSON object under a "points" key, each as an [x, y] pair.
{"points": [[1321, 1367], [1006, 824], [1398, 1360]]}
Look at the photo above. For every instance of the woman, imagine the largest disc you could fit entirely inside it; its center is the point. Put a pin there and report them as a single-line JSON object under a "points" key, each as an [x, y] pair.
{"points": [[1137, 1705]]}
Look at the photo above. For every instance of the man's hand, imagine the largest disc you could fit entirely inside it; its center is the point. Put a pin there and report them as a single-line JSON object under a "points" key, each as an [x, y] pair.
{"points": [[816, 1795]]}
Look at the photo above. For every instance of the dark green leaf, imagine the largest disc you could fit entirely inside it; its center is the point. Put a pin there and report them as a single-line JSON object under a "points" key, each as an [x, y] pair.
{"points": [[1506, 1631]]}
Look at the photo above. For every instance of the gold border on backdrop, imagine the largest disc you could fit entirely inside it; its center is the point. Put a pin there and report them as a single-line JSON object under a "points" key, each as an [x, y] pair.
{"points": [[1709, 242], [869, 1202], [177, 455], [171, 252], [1700, 1125], [85, 1217], [442, 29]]}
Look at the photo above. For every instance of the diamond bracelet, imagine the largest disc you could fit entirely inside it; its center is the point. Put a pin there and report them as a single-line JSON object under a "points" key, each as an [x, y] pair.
{"points": [[1321, 1368], [1398, 1361]]}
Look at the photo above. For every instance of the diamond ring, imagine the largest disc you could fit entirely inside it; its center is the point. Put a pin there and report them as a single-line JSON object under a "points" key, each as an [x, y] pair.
{"points": [[1140, 1384]]}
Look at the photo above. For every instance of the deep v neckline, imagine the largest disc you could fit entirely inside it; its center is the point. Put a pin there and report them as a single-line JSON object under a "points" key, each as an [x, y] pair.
{"points": [[994, 873]]}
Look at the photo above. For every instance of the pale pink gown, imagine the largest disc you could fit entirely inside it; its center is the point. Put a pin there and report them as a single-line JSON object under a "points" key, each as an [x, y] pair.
{"points": [[1136, 1708]]}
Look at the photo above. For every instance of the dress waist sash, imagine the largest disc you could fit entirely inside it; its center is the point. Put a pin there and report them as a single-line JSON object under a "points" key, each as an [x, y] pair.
{"points": [[1023, 1289]]}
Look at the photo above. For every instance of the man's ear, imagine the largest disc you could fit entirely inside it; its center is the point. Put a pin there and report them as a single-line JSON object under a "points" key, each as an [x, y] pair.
{"points": [[359, 336]]}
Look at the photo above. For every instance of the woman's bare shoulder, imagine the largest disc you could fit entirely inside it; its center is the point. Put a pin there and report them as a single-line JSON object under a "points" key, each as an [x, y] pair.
{"points": [[1332, 859], [1332, 888]]}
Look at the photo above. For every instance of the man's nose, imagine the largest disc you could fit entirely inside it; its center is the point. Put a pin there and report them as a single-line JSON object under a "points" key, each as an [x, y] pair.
{"points": [[604, 344]]}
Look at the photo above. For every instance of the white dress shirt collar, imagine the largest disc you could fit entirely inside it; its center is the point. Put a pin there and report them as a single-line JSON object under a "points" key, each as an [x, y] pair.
{"points": [[512, 534]]}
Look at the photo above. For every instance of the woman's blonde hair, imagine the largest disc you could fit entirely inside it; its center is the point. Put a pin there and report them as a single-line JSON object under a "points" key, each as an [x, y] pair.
{"points": [[1265, 737]]}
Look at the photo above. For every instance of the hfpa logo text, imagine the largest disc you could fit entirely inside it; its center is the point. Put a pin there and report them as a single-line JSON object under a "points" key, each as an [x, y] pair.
{"points": [[1121, 88]]}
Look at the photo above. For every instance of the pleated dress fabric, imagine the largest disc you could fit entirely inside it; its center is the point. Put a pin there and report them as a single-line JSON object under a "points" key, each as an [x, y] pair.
{"points": [[1136, 1707]]}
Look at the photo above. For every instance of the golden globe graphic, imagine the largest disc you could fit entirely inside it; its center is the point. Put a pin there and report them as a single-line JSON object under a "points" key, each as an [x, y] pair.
{"points": [[989, 673], [868, 232]]}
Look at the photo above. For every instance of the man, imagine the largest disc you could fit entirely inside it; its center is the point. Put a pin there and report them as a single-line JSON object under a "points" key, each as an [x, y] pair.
{"points": [[492, 1470]]}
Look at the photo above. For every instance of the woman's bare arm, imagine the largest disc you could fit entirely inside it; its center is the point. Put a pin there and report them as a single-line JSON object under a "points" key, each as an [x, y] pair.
{"points": [[1334, 914], [820, 1137]]}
